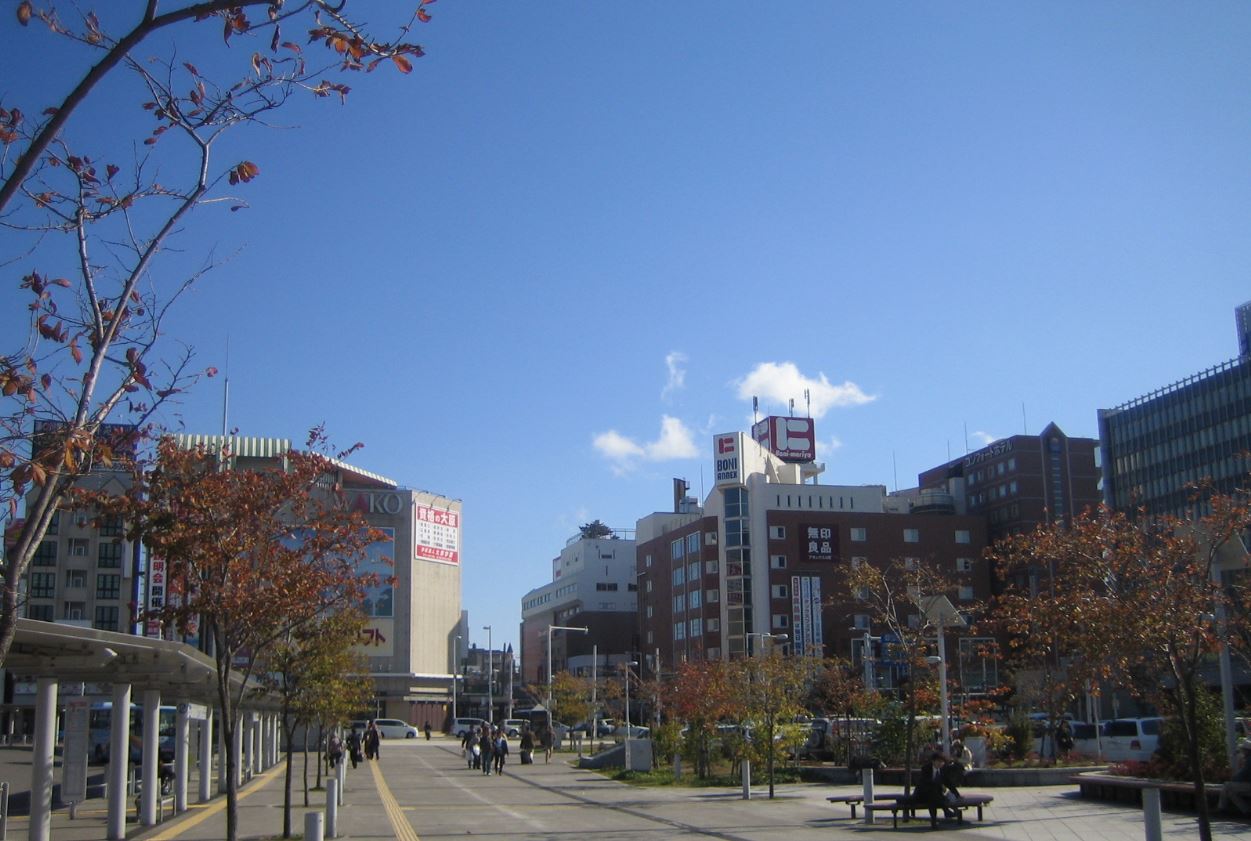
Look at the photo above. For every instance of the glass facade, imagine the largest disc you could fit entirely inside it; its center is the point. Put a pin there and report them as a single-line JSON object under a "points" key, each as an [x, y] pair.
{"points": [[1156, 448]]}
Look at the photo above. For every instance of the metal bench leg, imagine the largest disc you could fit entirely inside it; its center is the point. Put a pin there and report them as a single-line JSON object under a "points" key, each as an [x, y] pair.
{"points": [[853, 810]]}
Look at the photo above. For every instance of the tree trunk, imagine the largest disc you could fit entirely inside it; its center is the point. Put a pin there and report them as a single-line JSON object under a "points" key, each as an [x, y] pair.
{"points": [[306, 764], [289, 732], [1190, 717]]}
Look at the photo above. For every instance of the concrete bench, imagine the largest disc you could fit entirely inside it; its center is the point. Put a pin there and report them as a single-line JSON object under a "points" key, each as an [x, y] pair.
{"points": [[897, 804]]}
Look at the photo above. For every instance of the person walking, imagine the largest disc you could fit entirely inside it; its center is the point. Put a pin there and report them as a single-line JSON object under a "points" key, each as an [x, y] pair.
{"points": [[373, 747], [527, 746], [354, 747], [427, 729], [488, 750], [334, 752], [546, 739], [471, 746], [501, 752]]}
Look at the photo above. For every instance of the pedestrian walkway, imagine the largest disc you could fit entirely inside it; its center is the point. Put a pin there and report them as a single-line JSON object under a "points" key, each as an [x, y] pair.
{"points": [[423, 789]]}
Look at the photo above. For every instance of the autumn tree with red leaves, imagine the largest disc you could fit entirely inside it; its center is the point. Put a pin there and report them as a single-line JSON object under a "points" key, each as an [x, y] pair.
{"points": [[1137, 605], [253, 558], [702, 693], [93, 352]]}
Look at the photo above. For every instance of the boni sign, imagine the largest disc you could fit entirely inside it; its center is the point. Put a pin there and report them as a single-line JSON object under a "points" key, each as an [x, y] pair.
{"points": [[727, 452]]}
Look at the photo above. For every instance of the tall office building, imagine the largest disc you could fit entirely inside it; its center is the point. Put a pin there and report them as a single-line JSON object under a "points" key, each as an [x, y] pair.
{"points": [[1157, 447]]}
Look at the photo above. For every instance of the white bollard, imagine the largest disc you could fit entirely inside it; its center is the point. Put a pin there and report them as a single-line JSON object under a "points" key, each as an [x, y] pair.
{"points": [[866, 779], [332, 807], [1151, 814], [313, 827], [746, 779]]}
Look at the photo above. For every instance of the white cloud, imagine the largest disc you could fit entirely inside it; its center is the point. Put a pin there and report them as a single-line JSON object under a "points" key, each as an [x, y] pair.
{"points": [[779, 382], [827, 448], [675, 442], [983, 437], [674, 362]]}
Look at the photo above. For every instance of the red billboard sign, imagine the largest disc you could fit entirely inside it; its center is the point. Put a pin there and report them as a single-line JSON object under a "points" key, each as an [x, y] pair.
{"points": [[790, 439]]}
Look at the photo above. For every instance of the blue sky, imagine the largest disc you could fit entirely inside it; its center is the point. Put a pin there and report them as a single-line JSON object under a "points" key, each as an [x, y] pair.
{"points": [[540, 271]]}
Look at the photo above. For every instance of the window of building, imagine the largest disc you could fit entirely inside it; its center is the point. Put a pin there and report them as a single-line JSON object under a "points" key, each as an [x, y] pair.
{"points": [[45, 555], [78, 547], [710, 567], [649, 611], [777, 532], [712, 596], [633, 588], [860, 621], [777, 561], [692, 543], [76, 578], [1012, 487], [109, 553], [966, 593], [964, 564], [606, 586], [710, 538], [42, 585], [737, 533], [676, 549], [781, 620], [859, 535], [736, 502], [106, 618], [692, 573], [649, 585], [42, 612], [679, 630], [679, 576], [912, 535], [76, 611], [693, 599], [962, 535], [647, 561], [714, 653], [861, 594], [108, 586], [1012, 463], [111, 526], [697, 628], [714, 625], [679, 603], [781, 591], [54, 527], [649, 638]]}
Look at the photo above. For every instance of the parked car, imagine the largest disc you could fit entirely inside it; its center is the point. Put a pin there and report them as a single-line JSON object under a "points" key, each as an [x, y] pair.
{"points": [[393, 728], [461, 726], [634, 731], [513, 726], [605, 728], [1131, 738]]}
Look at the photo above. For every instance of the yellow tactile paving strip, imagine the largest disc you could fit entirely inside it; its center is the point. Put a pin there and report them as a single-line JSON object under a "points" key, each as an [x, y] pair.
{"points": [[403, 829]]}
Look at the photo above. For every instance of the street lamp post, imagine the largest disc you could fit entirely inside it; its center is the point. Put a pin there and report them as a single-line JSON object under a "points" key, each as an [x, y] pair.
{"points": [[750, 634], [628, 666], [455, 676], [551, 628], [490, 676]]}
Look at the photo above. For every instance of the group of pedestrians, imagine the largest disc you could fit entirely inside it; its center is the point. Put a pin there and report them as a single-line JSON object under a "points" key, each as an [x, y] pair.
{"points": [[486, 748], [357, 742]]}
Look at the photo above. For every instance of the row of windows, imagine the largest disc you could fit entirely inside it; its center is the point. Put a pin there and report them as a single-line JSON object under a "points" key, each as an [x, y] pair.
{"points": [[993, 493], [992, 471], [42, 585], [108, 552], [823, 503], [859, 534], [683, 546], [693, 628], [107, 618]]}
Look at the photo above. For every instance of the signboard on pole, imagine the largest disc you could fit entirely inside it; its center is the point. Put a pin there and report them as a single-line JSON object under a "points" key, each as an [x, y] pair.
{"points": [[74, 757]]}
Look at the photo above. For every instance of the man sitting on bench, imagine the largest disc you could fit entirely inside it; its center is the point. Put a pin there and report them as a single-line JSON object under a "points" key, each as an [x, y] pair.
{"points": [[936, 779]]}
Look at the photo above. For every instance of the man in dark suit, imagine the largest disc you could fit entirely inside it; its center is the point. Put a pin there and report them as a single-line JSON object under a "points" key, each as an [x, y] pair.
{"points": [[935, 780]]}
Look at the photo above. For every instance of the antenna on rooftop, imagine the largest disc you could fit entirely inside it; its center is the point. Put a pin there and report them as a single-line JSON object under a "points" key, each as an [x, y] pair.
{"points": [[755, 410], [1024, 424], [792, 407], [894, 469], [808, 400]]}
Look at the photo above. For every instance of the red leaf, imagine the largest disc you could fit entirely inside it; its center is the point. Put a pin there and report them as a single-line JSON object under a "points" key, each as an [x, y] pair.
{"points": [[423, 16], [191, 68], [111, 170], [404, 64], [24, 12], [210, 372]]}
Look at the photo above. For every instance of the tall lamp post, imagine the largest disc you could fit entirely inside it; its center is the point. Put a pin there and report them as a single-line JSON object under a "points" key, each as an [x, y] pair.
{"points": [[941, 613], [551, 628], [490, 677], [628, 727], [455, 676]]}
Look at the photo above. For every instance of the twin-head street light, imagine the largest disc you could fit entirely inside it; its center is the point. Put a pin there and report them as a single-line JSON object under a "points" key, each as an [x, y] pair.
{"points": [[551, 628]]}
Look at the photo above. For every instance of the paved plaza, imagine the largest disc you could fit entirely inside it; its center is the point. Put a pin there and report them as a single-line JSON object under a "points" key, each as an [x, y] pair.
{"points": [[423, 790]]}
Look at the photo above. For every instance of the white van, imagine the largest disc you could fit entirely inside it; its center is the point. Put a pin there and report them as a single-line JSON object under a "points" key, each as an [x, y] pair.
{"points": [[393, 728], [461, 726], [1131, 738]]}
